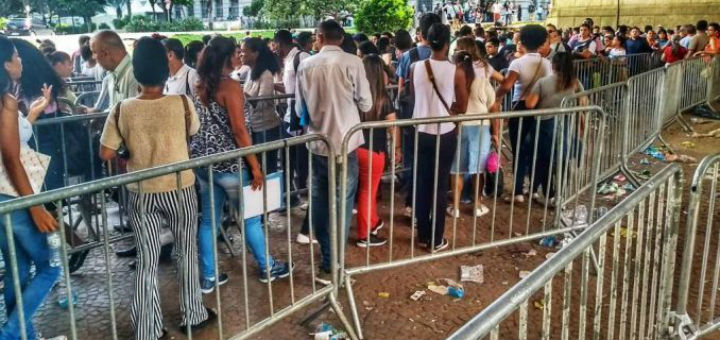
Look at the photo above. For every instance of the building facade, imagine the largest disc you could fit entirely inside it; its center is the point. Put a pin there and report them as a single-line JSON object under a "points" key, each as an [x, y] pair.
{"points": [[668, 13]]}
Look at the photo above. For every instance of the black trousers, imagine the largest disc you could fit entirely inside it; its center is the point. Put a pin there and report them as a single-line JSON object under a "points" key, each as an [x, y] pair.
{"points": [[426, 192]]}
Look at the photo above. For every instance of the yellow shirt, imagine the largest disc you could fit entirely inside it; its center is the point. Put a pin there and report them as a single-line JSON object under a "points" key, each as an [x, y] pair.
{"points": [[154, 132]]}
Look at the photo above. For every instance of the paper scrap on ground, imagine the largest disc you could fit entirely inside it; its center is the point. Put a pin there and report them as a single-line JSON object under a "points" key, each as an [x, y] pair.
{"points": [[472, 273], [530, 253], [681, 159], [524, 274], [713, 133], [417, 295], [442, 290]]}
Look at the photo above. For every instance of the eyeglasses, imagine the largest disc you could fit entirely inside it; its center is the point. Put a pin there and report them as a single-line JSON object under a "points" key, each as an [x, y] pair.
{"points": [[551, 31]]}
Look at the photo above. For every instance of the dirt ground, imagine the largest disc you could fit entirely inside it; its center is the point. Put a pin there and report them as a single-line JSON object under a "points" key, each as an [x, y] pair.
{"points": [[383, 297]]}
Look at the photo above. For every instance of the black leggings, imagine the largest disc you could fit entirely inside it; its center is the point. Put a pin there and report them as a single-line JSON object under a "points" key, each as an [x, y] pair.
{"points": [[426, 163]]}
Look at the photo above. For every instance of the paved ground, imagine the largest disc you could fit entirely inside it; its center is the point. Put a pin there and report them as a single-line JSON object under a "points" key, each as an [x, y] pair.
{"points": [[391, 316]]}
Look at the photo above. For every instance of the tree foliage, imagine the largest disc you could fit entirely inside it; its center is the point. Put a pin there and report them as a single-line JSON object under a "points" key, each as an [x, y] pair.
{"points": [[383, 15], [254, 9]]}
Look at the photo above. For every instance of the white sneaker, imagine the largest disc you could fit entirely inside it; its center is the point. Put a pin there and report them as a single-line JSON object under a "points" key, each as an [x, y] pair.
{"points": [[482, 210], [516, 199], [59, 337], [304, 239], [454, 213], [541, 199]]}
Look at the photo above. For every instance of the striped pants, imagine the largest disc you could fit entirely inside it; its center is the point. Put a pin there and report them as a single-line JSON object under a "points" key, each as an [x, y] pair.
{"points": [[148, 213]]}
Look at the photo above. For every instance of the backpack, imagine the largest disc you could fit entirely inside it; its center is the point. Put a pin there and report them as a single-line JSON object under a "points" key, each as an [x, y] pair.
{"points": [[406, 101], [295, 124]]}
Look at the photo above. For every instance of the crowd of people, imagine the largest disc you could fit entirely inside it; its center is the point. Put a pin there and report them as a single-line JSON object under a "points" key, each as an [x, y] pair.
{"points": [[169, 103]]}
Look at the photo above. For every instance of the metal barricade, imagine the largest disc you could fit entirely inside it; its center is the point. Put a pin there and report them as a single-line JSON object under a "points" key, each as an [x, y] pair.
{"points": [[642, 62], [713, 72], [262, 304], [694, 85], [561, 157], [700, 274], [629, 296], [673, 93], [612, 99], [596, 72], [643, 120]]}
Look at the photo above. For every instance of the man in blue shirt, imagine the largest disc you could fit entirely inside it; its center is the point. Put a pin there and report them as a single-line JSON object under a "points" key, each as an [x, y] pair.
{"points": [[406, 100], [636, 44]]}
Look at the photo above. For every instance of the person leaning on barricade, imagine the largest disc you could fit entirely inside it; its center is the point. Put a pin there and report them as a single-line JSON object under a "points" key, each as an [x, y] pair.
{"points": [[154, 129]]}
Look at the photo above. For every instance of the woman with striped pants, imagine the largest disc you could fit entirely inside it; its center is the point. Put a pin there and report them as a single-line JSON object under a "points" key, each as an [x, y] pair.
{"points": [[154, 129]]}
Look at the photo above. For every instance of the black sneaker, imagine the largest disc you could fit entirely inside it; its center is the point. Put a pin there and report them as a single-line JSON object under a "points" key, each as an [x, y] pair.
{"points": [[377, 228], [279, 270], [372, 241], [194, 328], [442, 245], [207, 286]]}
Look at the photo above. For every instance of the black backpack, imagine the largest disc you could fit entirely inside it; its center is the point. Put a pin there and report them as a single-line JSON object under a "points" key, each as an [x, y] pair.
{"points": [[406, 101]]}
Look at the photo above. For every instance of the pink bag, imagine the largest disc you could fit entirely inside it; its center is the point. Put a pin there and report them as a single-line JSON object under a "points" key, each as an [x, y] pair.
{"points": [[493, 162]]}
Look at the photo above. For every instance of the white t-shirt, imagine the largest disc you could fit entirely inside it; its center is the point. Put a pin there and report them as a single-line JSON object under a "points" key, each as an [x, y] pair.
{"points": [[289, 77], [526, 67], [182, 82], [497, 8], [617, 52], [427, 102], [483, 72]]}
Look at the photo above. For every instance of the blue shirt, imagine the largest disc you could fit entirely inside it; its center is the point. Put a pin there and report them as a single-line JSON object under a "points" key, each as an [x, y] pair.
{"points": [[637, 46], [403, 69]]}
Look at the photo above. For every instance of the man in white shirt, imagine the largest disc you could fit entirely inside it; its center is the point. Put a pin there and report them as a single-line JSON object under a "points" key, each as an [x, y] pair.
{"points": [[497, 9], [182, 78], [331, 90]]}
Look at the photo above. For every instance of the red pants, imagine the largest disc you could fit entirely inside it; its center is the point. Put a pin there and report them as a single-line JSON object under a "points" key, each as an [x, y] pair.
{"points": [[368, 183]]}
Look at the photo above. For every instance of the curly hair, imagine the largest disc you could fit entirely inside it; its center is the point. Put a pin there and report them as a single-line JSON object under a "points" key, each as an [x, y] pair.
{"points": [[213, 59], [36, 71]]}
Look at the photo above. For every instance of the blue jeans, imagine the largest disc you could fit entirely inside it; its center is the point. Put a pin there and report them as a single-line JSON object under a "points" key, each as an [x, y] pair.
{"points": [[30, 248], [271, 157], [226, 186], [321, 202]]}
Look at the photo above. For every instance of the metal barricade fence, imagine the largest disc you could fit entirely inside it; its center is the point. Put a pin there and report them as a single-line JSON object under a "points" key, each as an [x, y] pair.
{"points": [[700, 274], [263, 304], [643, 120], [561, 157], [596, 72], [672, 95], [693, 84], [630, 294], [612, 99], [713, 98], [642, 62]]}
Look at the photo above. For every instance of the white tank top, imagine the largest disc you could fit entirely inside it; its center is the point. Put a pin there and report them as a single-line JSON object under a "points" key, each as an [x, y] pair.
{"points": [[25, 130], [427, 102]]}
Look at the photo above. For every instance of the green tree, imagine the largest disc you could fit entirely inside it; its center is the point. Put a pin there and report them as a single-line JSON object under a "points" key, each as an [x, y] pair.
{"points": [[322, 8], [82, 8], [254, 9], [383, 15], [117, 4], [284, 9]]}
